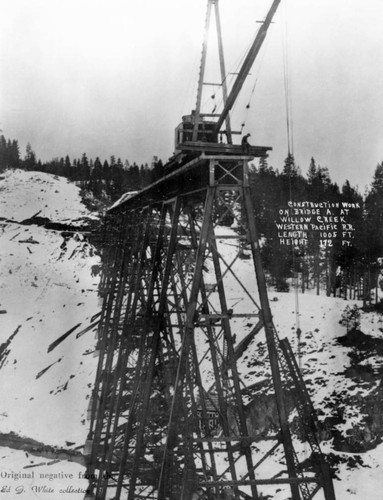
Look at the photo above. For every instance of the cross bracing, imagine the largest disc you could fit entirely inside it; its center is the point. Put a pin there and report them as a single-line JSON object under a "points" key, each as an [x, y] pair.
{"points": [[184, 295]]}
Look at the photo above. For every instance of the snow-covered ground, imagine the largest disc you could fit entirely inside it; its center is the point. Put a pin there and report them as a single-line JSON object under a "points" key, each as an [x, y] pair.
{"points": [[343, 374], [48, 285], [324, 361]]}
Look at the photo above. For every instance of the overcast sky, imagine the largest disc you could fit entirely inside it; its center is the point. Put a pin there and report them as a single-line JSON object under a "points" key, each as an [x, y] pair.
{"points": [[115, 77]]}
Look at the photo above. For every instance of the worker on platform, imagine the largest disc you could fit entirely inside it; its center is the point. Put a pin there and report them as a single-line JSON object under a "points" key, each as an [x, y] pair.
{"points": [[245, 143]]}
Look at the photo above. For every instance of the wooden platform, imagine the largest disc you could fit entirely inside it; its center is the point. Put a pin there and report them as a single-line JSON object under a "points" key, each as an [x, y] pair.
{"points": [[219, 148], [179, 179]]}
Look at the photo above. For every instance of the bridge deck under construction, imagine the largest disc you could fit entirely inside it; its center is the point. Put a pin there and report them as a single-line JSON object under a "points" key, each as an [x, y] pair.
{"points": [[183, 177]]}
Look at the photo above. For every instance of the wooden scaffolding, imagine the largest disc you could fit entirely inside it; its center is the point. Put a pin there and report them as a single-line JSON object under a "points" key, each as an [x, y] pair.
{"points": [[184, 294]]}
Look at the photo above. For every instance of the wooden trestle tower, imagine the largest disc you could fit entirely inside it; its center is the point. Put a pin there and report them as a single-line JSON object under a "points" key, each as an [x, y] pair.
{"points": [[184, 295], [168, 356]]}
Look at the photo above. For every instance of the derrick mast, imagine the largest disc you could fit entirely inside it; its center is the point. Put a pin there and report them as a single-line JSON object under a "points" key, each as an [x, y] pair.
{"points": [[170, 414], [200, 129]]}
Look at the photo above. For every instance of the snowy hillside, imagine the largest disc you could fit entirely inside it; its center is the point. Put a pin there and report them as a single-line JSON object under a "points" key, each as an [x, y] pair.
{"points": [[48, 286], [343, 374], [342, 371], [48, 297]]}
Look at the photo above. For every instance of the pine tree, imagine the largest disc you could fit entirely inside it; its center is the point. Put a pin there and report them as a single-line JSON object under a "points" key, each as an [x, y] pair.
{"points": [[157, 171], [3, 153], [319, 182], [84, 170], [97, 169], [290, 168], [68, 170], [351, 259], [134, 176], [312, 172], [30, 158], [15, 154], [374, 214]]}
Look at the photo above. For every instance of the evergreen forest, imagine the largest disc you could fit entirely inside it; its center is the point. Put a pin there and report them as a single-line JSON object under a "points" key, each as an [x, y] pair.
{"points": [[354, 271]]}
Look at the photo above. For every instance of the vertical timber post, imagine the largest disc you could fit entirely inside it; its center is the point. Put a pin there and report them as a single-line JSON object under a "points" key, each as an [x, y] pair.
{"points": [[172, 420], [270, 337]]}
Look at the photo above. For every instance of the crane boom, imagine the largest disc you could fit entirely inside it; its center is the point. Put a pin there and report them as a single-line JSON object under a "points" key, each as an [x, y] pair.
{"points": [[247, 64], [200, 132]]}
